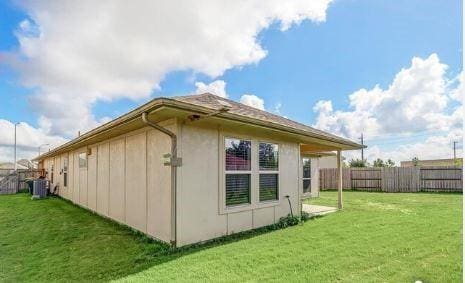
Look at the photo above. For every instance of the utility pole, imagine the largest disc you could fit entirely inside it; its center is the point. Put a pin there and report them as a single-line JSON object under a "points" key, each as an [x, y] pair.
{"points": [[361, 141], [45, 144], [455, 156]]}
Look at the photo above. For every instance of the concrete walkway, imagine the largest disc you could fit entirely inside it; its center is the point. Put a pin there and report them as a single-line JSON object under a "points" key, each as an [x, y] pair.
{"points": [[318, 209]]}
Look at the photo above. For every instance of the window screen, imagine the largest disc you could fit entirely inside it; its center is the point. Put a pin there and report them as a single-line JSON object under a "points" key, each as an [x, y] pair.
{"points": [[268, 167], [307, 186], [82, 160], [268, 156], [65, 179], [65, 164], [65, 171], [237, 158], [237, 154], [307, 168], [307, 175], [237, 189], [268, 187]]}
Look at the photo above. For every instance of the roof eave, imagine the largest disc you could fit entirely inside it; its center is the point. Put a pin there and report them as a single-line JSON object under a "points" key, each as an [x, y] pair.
{"points": [[172, 103], [345, 144]]}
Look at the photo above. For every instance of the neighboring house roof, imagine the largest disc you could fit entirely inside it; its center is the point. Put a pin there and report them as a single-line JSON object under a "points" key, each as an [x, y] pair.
{"points": [[11, 166], [26, 163], [205, 104]]}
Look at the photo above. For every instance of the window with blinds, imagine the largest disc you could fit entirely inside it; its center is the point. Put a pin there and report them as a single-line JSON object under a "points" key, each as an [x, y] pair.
{"points": [[268, 157], [307, 175], [268, 187], [238, 154], [238, 171], [237, 189], [268, 172]]}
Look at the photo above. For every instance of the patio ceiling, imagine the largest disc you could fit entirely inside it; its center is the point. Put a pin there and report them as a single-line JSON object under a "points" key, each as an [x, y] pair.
{"points": [[318, 149]]}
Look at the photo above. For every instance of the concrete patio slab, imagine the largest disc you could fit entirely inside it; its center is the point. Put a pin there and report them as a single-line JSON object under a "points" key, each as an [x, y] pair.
{"points": [[318, 209]]}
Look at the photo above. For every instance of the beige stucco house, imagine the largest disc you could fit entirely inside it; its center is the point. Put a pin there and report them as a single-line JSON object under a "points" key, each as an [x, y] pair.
{"points": [[192, 168]]}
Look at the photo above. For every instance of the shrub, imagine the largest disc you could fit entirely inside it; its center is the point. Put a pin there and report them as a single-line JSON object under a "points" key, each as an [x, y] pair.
{"points": [[304, 216], [287, 221]]}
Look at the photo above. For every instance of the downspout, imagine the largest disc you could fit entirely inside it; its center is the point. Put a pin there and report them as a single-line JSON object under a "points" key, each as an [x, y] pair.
{"points": [[173, 162]]}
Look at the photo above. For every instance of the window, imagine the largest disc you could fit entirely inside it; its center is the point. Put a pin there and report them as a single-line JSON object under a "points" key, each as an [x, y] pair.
{"points": [[51, 174], [268, 157], [237, 171], [268, 172], [82, 160], [268, 187], [307, 175], [65, 171], [237, 189]]}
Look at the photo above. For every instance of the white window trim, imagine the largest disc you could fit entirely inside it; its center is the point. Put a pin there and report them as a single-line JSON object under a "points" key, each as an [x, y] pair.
{"points": [[274, 201], [79, 157], [254, 178], [65, 159], [305, 194]]}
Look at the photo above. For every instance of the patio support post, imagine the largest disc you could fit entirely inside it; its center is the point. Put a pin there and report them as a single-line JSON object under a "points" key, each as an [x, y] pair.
{"points": [[339, 179]]}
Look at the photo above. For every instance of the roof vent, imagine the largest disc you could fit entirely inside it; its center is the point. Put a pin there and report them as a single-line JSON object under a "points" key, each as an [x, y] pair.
{"points": [[226, 106]]}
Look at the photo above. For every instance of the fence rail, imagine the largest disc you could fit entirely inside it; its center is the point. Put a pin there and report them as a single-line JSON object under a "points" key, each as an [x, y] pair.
{"points": [[395, 179]]}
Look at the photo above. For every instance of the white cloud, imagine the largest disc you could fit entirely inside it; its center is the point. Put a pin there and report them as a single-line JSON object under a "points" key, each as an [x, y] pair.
{"points": [[28, 140], [217, 87], [458, 93], [253, 101], [417, 100], [74, 53]]}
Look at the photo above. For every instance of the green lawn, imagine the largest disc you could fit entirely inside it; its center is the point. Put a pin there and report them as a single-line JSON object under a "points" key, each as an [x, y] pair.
{"points": [[377, 237]]}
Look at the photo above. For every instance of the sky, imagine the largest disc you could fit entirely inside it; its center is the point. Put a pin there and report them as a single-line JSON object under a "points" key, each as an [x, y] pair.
{"points": [[390, 70]]}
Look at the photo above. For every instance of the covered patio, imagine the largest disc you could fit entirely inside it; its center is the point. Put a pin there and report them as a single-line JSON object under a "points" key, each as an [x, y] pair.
{"points": [[319, 150]]}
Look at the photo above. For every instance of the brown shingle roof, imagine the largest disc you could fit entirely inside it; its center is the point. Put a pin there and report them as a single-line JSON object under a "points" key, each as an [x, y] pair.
{"points": [[216, 103], [207, 101]]}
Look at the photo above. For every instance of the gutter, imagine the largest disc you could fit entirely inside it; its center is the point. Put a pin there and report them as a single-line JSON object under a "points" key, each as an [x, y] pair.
{"points": [[173, 161], [221, 113], [172, 103]]}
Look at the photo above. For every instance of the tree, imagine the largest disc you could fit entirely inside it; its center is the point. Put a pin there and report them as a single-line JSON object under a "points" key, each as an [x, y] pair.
{"points": [[390, 163], [415, 161], [357, 163], [379, 163]]}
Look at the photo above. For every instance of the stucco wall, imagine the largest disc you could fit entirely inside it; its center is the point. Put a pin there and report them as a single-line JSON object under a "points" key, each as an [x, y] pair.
{"points": [[315, 173], [200, 205], [125, 180]]}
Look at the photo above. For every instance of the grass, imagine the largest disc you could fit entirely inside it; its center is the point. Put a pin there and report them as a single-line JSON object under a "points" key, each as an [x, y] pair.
{"points": [[377, 237]]}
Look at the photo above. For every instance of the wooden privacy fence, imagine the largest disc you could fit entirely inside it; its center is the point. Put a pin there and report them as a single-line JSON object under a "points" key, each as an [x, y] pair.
{"points": [[11, 182], [395, 179]]}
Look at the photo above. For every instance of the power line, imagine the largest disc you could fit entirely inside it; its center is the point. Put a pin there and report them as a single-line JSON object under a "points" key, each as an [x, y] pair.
{"points": [[403, 137], [397, 141]]}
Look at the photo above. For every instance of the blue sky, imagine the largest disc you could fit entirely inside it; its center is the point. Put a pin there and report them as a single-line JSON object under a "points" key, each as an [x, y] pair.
{"points": [[361, 44]]}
